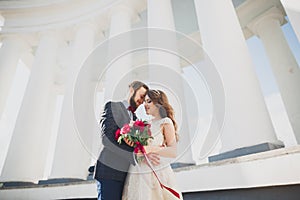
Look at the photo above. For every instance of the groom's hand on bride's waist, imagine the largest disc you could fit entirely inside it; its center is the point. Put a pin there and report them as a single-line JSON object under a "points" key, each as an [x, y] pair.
{"points": [[154, 158]]}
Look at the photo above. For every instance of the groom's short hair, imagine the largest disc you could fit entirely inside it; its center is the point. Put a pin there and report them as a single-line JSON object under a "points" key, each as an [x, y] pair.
{"points": [[135, 85]]}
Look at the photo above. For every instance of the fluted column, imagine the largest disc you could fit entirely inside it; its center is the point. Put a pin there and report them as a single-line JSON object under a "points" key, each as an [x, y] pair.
{"points": [[283, 63], [10, 52], [71, 158], [160, 15], [247, 121], [118, 76], [27, 151]]}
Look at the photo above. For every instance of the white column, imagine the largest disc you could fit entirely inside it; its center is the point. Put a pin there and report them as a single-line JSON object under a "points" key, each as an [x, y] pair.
{"points": [[10, 53], [27, 151], [292, 9], [247, 121], [71, 158], [118, 76], [160, 15], [284, 65]]}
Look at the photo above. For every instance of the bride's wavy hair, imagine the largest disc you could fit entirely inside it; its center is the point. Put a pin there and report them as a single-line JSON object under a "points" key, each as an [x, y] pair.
{"points": [[160, 100]]}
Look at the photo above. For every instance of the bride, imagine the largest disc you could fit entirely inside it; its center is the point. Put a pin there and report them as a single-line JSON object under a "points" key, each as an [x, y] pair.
{"points": [[141, 182]]}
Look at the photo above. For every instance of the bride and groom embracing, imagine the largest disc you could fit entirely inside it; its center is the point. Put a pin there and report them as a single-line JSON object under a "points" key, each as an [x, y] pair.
{"points": [[119, 174]]}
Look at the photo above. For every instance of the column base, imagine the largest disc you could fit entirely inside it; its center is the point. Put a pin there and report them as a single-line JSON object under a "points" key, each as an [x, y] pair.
{"points": [[59, 180], [14, 184], [245, 151], [179, 165]]}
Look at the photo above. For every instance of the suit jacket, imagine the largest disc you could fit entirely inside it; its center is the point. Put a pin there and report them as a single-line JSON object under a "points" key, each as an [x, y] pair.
{"points": [[115, 159]]}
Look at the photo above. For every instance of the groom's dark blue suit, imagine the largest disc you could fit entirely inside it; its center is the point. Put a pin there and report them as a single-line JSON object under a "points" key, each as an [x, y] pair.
{"points": [[115, 159]]}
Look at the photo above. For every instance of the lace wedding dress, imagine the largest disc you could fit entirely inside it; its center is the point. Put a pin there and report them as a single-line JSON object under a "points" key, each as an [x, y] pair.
{"points": [[141, 184]]}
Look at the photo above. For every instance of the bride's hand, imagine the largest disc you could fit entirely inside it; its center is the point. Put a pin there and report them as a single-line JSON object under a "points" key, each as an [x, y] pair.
{"points": [[154, 158], [149, 149]]}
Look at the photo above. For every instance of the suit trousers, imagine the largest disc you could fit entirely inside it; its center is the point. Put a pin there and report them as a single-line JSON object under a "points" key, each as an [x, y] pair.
{"points": [[111, 189]]}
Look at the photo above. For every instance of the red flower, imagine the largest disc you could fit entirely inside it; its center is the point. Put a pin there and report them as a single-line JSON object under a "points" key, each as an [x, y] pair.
{"points": [[117, 134], [140, 124]]}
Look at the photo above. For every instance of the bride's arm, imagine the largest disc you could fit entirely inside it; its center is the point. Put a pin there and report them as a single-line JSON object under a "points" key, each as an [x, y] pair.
{"points": [[170, 150]]}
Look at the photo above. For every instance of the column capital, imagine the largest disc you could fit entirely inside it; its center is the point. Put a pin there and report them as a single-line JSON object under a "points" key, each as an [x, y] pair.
{"points": [[23, 40], [124, 7], [92, 24], [273, 13], [50, 32], [89, 24], [56, 34]]}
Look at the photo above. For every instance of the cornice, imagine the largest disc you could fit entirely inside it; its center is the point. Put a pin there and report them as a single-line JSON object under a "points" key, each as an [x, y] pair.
{"points": [[17, 4], [59, 14], [127, 8]]}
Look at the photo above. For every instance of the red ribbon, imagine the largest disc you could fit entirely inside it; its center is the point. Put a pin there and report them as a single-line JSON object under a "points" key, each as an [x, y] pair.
{"points": [[142, 149]]}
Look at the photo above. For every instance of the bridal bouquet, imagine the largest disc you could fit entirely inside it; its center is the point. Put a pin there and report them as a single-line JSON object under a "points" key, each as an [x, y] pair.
{"points": [[137, 132]]}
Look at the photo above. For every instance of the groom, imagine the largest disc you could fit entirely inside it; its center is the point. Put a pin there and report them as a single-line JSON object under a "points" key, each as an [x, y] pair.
{"points": [[115, 159]]}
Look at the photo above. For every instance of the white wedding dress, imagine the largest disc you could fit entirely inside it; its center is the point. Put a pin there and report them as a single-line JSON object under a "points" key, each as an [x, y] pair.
{"points": [[141, 183]]}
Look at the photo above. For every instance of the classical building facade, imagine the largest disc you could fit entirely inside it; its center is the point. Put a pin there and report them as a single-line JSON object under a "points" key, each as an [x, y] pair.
{"points": [[63, 43]]}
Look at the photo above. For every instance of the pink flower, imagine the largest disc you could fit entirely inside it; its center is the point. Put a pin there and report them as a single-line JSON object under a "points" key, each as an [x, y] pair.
{"points": [[125, 129], [136, 131]]}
